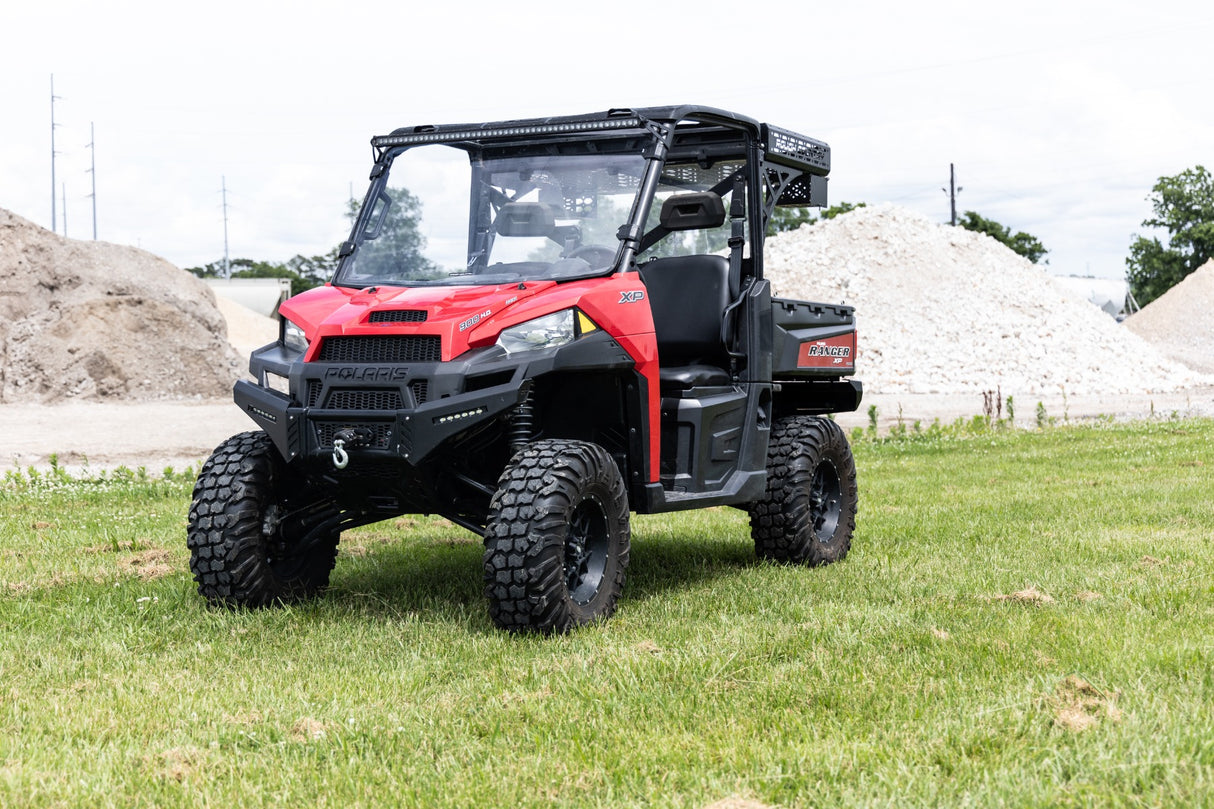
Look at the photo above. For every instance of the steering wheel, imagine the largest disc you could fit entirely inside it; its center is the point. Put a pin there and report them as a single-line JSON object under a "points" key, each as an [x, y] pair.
{"points": [[596, 255]]}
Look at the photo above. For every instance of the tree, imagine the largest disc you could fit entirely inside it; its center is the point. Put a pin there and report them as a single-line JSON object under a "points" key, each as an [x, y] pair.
{"points": [[304, 273], [1184, 206], [393, 244], [1020, 242]]}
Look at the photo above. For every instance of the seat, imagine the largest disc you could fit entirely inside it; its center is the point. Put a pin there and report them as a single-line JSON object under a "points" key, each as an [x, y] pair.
{"points": [[688, 296]]}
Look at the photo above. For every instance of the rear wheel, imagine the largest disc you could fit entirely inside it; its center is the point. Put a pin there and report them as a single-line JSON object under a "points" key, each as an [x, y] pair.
{"points": [[249, 547], [557, 538], [808, 513]]}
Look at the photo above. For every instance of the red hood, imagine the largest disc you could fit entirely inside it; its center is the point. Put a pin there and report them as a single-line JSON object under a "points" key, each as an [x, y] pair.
{"points": [[451, 312], [468, 317]]}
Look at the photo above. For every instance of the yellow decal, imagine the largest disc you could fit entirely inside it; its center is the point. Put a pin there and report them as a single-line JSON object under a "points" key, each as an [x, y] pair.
{"points": [[584, 324]]}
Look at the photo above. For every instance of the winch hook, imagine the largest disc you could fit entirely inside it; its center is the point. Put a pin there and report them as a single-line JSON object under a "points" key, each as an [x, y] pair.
{"points": [[341, 459]]}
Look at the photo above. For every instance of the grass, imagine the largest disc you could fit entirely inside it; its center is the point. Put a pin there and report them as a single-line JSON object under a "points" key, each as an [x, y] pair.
{"points": [[1026, 618]]}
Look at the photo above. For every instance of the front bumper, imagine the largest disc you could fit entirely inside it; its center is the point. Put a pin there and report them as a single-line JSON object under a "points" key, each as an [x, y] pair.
{"points": [[410, 409]]}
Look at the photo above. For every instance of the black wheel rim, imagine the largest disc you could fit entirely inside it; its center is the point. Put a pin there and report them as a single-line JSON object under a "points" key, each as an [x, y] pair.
{"points": [[825, 501], [586, 550]]}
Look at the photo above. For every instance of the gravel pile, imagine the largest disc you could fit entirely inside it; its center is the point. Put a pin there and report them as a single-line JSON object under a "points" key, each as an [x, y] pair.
{"points": [[98, 321], [1180, 322], [946, 310]]}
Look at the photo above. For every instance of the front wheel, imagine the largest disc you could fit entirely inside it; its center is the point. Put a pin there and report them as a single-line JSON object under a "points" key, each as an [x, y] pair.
{"points": [[249, 545], [808, 512], [557, 538]]}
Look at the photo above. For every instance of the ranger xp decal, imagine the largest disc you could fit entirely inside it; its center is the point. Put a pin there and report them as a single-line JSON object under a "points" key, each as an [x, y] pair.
{"points": [[833, 352]]}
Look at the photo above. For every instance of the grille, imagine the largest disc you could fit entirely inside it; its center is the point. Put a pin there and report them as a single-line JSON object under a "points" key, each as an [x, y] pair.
{"points": [[314, 389], [326, 431], [399, 316], [389, 348], [365, 400], [420, 389]]}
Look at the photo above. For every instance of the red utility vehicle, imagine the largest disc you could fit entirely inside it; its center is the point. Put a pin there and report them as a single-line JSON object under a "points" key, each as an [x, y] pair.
{"points": [[538, 327]]}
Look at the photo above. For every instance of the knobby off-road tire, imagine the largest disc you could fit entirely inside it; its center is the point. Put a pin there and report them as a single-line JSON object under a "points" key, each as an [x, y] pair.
{"points": [[240, 553], [557, 538], [808, 513]]}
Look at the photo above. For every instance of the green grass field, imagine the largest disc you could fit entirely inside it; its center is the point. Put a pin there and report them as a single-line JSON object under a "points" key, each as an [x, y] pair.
{"points": [[1026, 618]]}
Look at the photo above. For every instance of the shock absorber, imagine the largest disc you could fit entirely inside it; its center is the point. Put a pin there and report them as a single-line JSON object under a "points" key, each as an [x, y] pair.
{"points": [[522, 423]]}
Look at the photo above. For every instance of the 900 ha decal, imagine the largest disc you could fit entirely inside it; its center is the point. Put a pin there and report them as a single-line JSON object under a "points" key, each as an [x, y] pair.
{"points": [[472, 321]]}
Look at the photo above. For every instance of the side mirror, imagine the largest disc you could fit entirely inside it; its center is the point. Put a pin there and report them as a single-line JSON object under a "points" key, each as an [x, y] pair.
{"points": [[693, 211]]}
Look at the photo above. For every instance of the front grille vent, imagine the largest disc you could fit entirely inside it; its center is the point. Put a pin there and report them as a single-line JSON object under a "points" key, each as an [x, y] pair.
{"points": [[388, 348], [399, 316], [365, 400], [420, 389]]}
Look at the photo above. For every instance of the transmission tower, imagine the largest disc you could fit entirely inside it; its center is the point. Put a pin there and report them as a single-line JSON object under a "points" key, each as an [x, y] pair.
{"points": [[227, 267], [54, 187], [92, 147]]}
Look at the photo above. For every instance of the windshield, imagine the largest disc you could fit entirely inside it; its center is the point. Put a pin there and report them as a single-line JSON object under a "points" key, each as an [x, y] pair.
{"points": [[439, 218]]}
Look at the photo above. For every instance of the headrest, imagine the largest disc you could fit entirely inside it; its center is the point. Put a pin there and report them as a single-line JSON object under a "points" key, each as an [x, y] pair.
{"points": [[524, 219], [693, 211]]}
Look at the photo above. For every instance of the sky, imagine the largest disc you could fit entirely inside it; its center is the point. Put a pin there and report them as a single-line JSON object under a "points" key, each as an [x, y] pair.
{"points": [[1058, 116]]}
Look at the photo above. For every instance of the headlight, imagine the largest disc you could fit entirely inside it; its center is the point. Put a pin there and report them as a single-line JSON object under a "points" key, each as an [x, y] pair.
{"points": [[278, 383], [293, 337], [548, 331]]}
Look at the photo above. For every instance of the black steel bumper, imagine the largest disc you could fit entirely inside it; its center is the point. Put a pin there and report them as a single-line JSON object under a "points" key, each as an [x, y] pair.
{"points": [[406, 411]]}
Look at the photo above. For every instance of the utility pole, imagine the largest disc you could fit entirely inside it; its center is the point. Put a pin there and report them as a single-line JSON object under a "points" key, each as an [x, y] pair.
{"points": [[953, 190], [92, 147], [227, 267], [54, 187]]}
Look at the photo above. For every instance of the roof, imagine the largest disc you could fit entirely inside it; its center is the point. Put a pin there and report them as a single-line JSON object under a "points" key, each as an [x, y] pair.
{"points": [[783, 145]]}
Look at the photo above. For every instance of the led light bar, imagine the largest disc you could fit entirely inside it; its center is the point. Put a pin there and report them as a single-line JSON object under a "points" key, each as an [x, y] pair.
{"points": [[476, 411], [384, 141]]}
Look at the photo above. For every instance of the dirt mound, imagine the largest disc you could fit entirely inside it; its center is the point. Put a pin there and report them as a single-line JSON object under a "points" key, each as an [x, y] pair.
{"points": [[92, 320], [1177, 323], [946, 310], [247, 329]]}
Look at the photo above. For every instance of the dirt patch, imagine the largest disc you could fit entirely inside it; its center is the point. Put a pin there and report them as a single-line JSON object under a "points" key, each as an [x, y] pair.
{"points": [[306, 729], [1078, 705], [738, 803], [176, 764], [149, 565], [1030, 595]]}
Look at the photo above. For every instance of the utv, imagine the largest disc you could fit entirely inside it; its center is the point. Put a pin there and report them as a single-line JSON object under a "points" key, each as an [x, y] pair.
{"points": [[536, 328]]}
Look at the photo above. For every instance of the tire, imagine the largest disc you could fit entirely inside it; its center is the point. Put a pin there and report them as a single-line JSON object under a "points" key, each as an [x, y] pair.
{"points": [[557, 538], [808, 512], [242, 553]]}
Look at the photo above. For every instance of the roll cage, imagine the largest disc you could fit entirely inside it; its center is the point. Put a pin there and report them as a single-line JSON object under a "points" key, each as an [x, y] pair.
{"points": [[677, 144]]}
